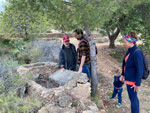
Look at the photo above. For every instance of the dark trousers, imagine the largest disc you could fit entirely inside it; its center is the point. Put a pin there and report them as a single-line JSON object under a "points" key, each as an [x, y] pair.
{"points": [[133, 99], [119, 92]]}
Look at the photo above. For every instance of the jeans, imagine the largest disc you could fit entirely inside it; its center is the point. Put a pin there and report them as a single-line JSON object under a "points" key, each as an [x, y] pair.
{"points": [[86, 69], [133, 99], [119, 92]]}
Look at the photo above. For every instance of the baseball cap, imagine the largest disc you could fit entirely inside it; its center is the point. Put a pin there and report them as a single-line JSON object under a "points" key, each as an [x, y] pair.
{"points": [[66, 38]]}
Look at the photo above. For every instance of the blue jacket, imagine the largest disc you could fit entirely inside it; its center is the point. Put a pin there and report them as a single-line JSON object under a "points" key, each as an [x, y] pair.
{"points": [[117, 83], [134, 66], [63, 57]]}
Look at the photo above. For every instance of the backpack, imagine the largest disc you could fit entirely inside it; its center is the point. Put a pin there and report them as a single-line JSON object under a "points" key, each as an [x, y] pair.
{"points": [[145, 66], [85, 40]]}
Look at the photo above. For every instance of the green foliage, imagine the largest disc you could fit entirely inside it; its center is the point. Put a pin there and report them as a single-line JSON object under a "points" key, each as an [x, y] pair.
{"points": [[28, 39], [9, 83], [7, 76], [10, 103], [138, 19], [48, 31], [66, 16], [29, 54], [96, 99], [12, 46], [110, 93], [118, 55], [30, 16], [113, 55], [21, 23], [3, 50]]}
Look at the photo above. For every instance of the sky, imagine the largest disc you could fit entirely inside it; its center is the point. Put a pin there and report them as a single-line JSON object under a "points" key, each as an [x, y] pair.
{"points": [[1, 4]]}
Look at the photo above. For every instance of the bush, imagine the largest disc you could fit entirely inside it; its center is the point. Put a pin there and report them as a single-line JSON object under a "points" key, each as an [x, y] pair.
{"points": [[10, 103], [3, 50], [48, 31], [30, 54], [9, 83], [50, 50], [17, 44], [7, 76], [146, 44], [13, 47]]}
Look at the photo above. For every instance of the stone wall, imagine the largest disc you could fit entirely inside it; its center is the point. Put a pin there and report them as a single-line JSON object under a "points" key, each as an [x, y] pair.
{"points": [[73, 94], [35, 69]]}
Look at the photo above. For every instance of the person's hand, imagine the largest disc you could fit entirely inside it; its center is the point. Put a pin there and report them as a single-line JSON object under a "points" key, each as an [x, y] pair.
{"points": [[122, 78], [135, 88], [80, 70], [62, 69]]}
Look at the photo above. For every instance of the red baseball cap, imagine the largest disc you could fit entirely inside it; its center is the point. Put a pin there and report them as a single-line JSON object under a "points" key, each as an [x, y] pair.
{"points": [[66, 38]]}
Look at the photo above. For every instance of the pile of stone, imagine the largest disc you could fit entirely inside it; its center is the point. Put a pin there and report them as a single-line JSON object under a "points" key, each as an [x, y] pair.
{"points": [[72, 94]]}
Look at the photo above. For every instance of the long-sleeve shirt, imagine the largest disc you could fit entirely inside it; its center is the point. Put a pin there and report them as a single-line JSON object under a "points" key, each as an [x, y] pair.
{"points": [[83, 50], [133, 70]]}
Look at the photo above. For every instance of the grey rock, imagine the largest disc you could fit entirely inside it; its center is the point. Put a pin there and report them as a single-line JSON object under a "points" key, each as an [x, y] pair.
{"points": [[82, 91], [56, 109], [65, 101], [61, 78], [94, 108], [22, 90], [35, 76], [100, 104]]}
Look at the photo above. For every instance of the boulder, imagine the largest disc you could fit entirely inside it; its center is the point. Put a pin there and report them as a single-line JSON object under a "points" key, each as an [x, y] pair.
{"points": [[82, 91], [65, 101], [61, 78]]}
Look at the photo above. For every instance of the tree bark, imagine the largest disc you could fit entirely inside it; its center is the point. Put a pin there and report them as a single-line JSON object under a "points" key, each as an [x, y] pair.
{"points": [[112, 37], [93, 62], [111, 43]]}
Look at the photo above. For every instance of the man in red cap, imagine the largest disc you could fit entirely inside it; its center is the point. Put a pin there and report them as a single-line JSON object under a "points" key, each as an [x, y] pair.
{"points": [[67, 55]]}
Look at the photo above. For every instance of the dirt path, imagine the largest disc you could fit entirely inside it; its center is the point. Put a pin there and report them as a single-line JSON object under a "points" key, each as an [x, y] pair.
{"points": [[105, 63]]}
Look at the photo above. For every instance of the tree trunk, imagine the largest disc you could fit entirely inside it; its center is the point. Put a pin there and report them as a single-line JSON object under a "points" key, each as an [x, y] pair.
{"points": [[112, 37], [93, 62], [112, 42], [62, 29]]}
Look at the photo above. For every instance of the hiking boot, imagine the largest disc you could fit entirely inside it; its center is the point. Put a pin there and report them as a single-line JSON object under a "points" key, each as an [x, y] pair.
{"points": [[118, 105], [110, 98]]}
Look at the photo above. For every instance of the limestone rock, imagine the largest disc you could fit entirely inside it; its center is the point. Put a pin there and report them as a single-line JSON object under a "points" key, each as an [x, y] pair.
{"points": [[93, 108], [38, 90], [43, 68], [100, 104], [56, 109], [82, 91], [62, 78], [87, 111], [102, 111], [21, 70], [65, 101]]}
